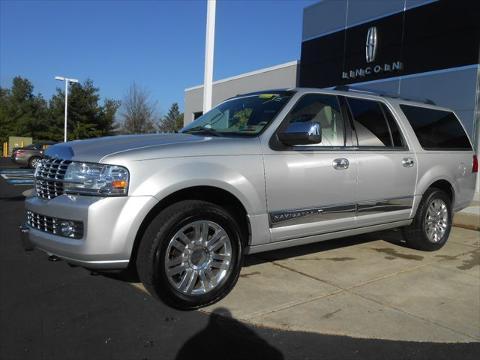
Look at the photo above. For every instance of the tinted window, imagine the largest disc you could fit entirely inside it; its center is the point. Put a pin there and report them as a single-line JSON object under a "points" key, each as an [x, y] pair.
{"points": [[394, 130], [324, 110], [369, 123], [436, 129]]}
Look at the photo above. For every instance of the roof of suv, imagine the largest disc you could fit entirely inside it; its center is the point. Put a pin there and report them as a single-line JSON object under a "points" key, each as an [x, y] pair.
{"points": [[357, 92]]}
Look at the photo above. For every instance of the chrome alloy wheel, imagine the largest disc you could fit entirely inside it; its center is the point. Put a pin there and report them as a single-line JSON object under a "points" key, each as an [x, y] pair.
{"points": [[436, 220], [198, 257]]}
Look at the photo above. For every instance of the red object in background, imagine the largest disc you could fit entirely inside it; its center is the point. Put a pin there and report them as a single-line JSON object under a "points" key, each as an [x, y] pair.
{"points": [[475, 164]]}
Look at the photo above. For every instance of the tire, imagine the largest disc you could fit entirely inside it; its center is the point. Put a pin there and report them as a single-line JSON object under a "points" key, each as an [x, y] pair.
{"points": [[168, 242], [32, 162], [419, 234]]}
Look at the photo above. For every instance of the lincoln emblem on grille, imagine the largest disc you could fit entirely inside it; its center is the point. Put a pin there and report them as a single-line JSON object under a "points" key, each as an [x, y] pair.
{"points": [[371, 45]]}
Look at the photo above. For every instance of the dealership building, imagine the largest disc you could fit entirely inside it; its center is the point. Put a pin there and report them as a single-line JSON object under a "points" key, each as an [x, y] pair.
{"points": [[415, 49]]}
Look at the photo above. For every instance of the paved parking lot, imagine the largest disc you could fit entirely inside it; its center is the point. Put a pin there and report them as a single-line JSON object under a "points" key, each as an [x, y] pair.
{"points": [[367, 287], [17, 176], [359, 297]]}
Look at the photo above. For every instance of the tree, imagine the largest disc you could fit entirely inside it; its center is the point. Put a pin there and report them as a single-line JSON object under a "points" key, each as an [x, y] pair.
{"points": [[173, 121], [21, 112], [107, 119], [138, 114], [86, 118]]}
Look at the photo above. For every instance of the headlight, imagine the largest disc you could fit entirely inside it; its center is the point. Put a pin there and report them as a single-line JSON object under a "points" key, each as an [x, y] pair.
{"points": [[96, 179]]}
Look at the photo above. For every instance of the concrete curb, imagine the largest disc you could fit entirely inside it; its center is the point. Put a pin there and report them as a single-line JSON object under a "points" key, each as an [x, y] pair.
{"points": [[468, 218]]}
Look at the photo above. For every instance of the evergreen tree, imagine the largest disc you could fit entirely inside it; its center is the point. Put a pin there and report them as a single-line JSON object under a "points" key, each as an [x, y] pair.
{"points": [[86, 118], [173, 121], [21, 112]]}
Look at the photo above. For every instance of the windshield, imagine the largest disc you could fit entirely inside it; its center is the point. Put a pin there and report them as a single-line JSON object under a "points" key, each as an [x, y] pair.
{"points": [[244, 115]]}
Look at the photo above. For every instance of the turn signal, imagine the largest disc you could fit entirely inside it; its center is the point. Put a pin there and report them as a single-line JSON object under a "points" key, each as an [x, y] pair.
{"points": [[475, 164], [119, 184]]}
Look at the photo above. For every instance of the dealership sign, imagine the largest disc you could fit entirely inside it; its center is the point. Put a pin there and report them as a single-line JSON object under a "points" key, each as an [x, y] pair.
{"points": [[373, 69], [371, 46]]}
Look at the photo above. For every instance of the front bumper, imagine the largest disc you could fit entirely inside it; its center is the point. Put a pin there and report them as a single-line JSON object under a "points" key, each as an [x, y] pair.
{"points": [[110, 227]]}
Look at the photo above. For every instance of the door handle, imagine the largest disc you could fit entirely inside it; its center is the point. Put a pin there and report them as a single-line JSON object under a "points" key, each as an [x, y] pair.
{"points": [[408, 162], [340, 164]]}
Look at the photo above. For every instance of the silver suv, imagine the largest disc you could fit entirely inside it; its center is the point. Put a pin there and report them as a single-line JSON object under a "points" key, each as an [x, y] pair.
{"points": [[259, 172]]}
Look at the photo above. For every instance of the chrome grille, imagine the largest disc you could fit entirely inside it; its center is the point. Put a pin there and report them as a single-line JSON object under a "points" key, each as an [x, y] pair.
{"points": [[49, 177], [52, 225]]}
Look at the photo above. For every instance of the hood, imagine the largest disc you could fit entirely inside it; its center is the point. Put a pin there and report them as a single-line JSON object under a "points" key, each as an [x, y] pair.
{"points": [[140, 147]]}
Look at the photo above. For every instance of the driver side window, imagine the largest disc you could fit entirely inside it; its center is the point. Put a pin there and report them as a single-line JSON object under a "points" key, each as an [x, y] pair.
{"points": [[324, 110]]}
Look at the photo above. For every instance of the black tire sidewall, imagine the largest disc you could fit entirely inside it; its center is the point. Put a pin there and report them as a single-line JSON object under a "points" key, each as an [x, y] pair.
{"points": [[178, 217]]}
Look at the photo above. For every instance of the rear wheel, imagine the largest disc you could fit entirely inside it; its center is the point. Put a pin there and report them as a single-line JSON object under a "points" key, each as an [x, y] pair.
{"points": [[432, 224], [190, 255]]}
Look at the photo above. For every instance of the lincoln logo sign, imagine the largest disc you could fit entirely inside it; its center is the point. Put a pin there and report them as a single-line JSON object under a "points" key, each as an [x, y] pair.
{"points": [[371, 47]]}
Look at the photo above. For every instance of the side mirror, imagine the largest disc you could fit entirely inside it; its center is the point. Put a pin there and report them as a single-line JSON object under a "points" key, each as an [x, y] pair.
{"points": [[301, 133]]}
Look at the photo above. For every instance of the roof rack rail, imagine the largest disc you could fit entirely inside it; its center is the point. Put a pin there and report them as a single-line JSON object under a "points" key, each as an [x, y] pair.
{"points": [[380, 93]]}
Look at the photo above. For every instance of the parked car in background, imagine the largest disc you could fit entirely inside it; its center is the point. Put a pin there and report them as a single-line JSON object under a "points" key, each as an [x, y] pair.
{"points": [[29, 155], [259, 172]]}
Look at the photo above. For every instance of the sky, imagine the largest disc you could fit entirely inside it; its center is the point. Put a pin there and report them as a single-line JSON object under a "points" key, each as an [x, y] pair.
{"points": [[159, 45]]}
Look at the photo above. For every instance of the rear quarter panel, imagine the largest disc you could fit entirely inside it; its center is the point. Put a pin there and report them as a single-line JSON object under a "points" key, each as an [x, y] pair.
{"points": [[450, 165], [453, 166]]}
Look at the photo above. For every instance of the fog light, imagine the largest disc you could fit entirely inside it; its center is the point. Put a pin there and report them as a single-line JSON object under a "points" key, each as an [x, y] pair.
{"points": [[67, 228]]}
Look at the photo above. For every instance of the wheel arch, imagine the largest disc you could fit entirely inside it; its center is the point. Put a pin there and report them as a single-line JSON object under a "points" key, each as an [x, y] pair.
{"points": [[445, 186], [211, 194]]}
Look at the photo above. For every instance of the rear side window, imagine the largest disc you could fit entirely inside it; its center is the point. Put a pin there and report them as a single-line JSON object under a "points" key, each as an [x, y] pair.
{"points": [[374, 124], [436, 129]]}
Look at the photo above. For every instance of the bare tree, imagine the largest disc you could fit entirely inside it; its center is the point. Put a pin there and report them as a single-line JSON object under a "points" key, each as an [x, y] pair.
{"points": [[138, 111]]}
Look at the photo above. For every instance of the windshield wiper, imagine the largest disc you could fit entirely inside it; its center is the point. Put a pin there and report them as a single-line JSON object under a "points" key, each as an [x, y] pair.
{"points": [[202, 130]]}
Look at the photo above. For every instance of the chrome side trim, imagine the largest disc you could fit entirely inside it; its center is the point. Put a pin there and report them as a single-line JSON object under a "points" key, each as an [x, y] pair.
{"points": [[334, 212], [380, 206], [304, 216]]}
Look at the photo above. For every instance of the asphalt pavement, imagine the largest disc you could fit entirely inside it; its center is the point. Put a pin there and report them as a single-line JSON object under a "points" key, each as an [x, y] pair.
{"points": [[49, 310]]}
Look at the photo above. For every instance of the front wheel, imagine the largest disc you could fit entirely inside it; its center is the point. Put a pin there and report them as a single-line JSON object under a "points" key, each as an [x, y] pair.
{"points": [[190, 255], [432, 223]]}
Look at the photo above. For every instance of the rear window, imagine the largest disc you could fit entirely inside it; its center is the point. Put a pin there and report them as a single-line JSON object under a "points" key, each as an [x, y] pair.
{"points": [[436, 129]]}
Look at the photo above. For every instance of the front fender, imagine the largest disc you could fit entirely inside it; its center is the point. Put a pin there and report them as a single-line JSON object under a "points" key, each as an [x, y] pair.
{"points": [[242, 176]]}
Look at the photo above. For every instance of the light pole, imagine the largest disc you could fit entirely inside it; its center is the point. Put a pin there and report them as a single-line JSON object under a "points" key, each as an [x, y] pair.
{"points": [[67, 81], [209, 50]]}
